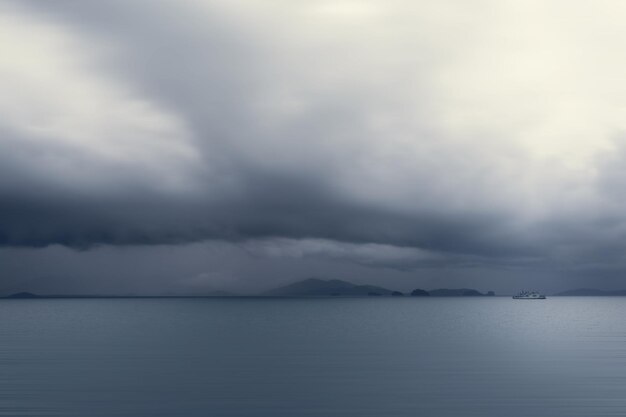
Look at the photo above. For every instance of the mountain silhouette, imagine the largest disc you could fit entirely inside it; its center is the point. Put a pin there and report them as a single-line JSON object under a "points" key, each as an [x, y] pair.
{"points": [[23, 295], [320, 287]]}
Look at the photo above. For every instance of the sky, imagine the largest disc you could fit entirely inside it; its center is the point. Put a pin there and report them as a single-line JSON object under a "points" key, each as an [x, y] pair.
{"points": [[181, 147]]}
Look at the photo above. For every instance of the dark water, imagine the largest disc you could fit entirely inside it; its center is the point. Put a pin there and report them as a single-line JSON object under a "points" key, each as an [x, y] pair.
{"points": [[313, 357]]}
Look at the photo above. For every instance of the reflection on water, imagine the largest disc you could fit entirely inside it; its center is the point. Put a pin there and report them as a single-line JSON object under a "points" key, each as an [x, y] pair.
{"points": [[313, 357]]}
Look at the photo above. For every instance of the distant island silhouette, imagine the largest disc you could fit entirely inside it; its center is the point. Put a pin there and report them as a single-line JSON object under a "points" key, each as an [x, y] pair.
{"points": [[318, 287], [310, 287], [336, 287], [23, 295]]}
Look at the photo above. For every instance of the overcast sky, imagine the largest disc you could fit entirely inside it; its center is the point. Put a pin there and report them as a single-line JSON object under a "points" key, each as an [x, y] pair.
{"points": [[188, 145]]}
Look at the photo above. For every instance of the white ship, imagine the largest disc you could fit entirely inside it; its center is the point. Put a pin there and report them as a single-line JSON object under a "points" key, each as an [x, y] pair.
{"points": [[529, 295]]}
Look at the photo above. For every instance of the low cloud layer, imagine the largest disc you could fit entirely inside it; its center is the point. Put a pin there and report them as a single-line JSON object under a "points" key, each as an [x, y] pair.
{"points": [[401, 135]]}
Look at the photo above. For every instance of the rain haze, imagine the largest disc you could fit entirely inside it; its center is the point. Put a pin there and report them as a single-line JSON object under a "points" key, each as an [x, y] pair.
{"points": [[181, 147]]}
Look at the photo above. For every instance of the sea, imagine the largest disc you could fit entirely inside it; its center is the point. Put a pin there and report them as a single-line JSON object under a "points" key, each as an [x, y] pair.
{"points": [[290, 357]]}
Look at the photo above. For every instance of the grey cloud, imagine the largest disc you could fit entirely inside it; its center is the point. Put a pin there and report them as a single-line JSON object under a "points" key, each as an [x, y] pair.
{"points": [[298, 140], [261, 198]]}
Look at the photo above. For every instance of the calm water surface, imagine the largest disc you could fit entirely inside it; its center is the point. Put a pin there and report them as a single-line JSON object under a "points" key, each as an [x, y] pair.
{"points": [[313, 357]]}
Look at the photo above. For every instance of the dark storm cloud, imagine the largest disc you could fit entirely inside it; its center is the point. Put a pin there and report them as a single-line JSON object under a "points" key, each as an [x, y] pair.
{"points": [[209, 76], [177, 122], [265, 206]]}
